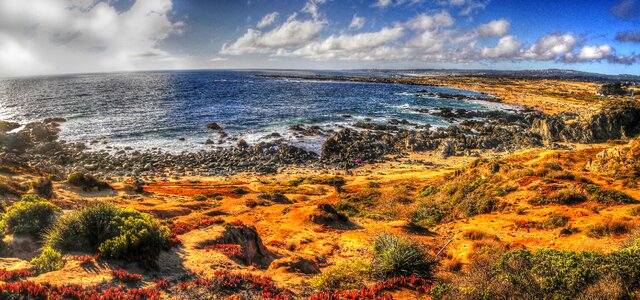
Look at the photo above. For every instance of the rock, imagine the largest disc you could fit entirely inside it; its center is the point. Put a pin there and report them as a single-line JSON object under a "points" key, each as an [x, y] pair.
{"points": [[208, 142], [6, 126], [296, 264], [253, 250], [242, 144], [214, 126], [326, 215], [447, 149]]}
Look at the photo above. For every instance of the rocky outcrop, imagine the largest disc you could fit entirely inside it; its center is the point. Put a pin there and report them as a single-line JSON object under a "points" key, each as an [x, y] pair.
{"points": [[6, 126], [613, 121], [326, 215], [296, 264], [253, 250]]}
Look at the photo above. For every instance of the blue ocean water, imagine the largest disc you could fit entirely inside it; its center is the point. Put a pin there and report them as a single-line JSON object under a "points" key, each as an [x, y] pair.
{"points": [[146, 110]]}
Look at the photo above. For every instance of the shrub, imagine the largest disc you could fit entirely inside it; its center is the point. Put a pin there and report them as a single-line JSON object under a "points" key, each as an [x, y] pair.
{"points": [[608, 197], [342, 276], [553, 221], [199, 197], [48, 261], [115, 232], [43, 187], [609, 227], [86, 181], [475, 235], [399, 256], [429, 215], [29, 216], [564, 197]]}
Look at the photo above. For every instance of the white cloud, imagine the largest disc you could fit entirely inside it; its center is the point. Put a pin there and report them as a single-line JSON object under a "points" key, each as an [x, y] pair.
{"points": [[292, 33], [590, 53], [495, 28], [356, 22], [311, 7], [423, 22], [383, 3], [218, 59], [551, 47], [339, 46], [83, 36], [507, 47], [268, 20]]}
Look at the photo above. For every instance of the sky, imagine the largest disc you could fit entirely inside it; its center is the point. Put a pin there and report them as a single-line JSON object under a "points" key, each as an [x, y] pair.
{"points": [[39, 37]]}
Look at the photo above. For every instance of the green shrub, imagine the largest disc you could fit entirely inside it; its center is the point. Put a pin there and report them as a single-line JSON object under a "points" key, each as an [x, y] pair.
{"points": [[115, 232], [29, 216], [342, 276], [608, 197], [429, 215], [199, 197], [399, 256], [553, 221], [43, 187], [48, 261], [564, 197], [86, 181]]}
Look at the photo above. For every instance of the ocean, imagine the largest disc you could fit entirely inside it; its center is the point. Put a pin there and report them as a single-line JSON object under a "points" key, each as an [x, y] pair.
{"points": [[170, 110]]}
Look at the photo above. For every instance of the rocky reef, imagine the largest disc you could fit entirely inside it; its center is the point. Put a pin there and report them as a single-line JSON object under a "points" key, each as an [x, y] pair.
{"points": [[38, 143]]}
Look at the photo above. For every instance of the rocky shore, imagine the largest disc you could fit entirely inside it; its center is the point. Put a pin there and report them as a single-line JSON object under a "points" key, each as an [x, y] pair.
{"points": [[38, 143]]}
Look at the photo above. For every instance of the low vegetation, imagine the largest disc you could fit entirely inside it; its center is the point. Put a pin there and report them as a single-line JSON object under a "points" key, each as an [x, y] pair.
{"points": [[400, 256], [87, 182], [115, 232], [31, 215]]}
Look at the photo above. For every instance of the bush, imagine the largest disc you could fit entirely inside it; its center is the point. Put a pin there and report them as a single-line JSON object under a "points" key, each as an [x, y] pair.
{"points": [[564, 197], [29, 216], [608, 197], [609, 227], [429, 215], [342, 276], [86, 181], [398, 256], [43, 187], [48, 261], [115, 232], [553, 221]]}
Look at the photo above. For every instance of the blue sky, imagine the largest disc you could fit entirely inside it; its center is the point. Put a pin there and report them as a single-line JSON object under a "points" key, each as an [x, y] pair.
{"points": [[70, 36]]}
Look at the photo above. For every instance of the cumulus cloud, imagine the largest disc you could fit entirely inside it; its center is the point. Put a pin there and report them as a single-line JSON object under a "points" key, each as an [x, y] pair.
{"points": [[508, 47], [424, 22], [292, 33], [268, 19], [343, 46], [84, 35], [495, 28], [629, 36], [551, 47], [356, 22], [591, 53]]}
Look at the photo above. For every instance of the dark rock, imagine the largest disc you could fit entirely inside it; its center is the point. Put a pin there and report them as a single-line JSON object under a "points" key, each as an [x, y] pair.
{"points": [[214, 126]]}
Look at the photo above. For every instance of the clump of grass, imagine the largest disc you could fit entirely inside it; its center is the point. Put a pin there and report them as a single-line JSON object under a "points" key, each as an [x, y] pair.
{"points": [[553, 221], [475, 235], [115, 232], [49, 260], [29, 216], [563, 196], [337, 182], [199, 197], [609, 227], [394, 255], [87, 182], [608, 197], [43, 187], [342, 276]]}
